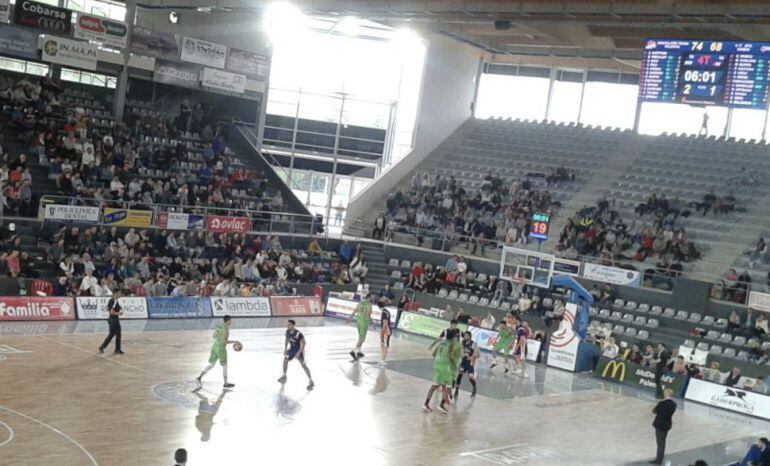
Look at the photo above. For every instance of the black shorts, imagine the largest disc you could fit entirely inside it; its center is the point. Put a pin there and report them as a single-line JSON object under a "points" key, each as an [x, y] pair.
{"points": [[295, 352]]}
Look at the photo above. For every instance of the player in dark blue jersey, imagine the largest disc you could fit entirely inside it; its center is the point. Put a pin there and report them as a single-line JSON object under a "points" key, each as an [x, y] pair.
{"points": [[384, 332], [294, 348], [520, 348], [470, 352]]}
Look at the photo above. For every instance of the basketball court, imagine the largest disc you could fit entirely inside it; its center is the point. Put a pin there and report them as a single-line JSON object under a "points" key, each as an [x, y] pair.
{"points": [[62, 403]]}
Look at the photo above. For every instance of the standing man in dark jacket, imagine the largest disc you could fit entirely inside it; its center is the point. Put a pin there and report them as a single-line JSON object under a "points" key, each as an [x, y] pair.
{"points": [[660, 362], [663, 412], [114, 310]]}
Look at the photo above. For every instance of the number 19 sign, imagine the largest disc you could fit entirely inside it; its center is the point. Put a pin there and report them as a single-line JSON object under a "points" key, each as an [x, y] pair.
{"points": [[540, 222]]}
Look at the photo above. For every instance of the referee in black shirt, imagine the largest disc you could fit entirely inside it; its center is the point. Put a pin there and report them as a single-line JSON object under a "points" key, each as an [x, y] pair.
{"points": [[113, 308]]}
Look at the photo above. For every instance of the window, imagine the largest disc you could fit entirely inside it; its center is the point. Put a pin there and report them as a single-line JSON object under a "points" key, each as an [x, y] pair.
{"points": [[659, 117], [512, 97], [13, 65], [85, 77], [747, 123], [609, 105], [104, 9], [565, 101]]}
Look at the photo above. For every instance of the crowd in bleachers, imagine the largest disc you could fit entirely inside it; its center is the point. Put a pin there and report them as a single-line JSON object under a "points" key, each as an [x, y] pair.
{"points": [[437, 206]]}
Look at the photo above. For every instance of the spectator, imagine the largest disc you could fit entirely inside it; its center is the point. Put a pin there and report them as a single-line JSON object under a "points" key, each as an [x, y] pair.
{"points": [[758, 454], [345, 253], [713, 374], [679, 366], [733, 321], [488, 322], [733, 377], [379, 227], [761, 327], [610, 349], [635, 355]]}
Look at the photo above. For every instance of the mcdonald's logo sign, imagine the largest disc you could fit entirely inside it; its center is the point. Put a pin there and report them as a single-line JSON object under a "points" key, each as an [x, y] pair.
{"points": [[616, 370]]}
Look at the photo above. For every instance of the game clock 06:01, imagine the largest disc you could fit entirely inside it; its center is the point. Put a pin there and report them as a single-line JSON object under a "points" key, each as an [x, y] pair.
{"points": [[539, 225]]}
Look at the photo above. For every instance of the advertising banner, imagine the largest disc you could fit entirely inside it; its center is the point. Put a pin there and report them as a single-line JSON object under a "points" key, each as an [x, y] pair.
{"points": [[18, 42], [343, 308], [177, 74], [566, 267], [178, 221], [42, 16], [72, 213], [759, 301], [127, 217], [729, 398], [612, 275], [67, 52], [564, 343], [96, 307], [253, 65], [628, 373], [203, 52], [170, 308], [240, 307], [223, 224], [5, 11], [288, 306], [224, 81], [102, 30], [36, 308], [424, 325], [486, 340], [155, 44]]}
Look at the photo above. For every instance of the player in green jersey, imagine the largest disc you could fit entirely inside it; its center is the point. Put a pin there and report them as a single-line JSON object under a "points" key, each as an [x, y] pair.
{"points": [[445, 364], [364, 314], [219, 351], [503, 345]]}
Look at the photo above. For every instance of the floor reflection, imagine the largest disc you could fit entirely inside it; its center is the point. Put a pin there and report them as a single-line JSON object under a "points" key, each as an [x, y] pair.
{"points": [[204, 421]]}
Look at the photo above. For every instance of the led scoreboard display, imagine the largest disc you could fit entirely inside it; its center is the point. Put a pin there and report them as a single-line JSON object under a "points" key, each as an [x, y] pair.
{"points": [[733, 74], [539, 226]]}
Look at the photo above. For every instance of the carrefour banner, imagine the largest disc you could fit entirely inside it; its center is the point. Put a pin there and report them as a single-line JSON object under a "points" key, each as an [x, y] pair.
{"points": [[628, 373], [96, 307], [169, 308], [424, 325], [729, 398]]}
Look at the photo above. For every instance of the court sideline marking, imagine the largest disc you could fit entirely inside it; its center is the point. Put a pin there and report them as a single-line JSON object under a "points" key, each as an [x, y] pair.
{"points": [[116, 361], [54, 429]]}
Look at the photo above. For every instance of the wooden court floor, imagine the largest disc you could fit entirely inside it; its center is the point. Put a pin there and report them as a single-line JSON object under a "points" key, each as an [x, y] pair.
{"points": [[61, 403]]}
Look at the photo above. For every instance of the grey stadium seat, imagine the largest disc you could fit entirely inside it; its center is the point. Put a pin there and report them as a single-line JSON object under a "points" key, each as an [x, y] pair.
{"points": [[694, 317], [669, 312], [715, 350], [628, 317], [640, 320], [656, 310], [643, 335], [681, 315], [644, 307], [615, 315]]}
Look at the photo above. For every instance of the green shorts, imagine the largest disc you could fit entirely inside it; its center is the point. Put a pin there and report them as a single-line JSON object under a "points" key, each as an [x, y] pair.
{"points": [[218, 353], [503, 346], [363, 329], [443, 375]]}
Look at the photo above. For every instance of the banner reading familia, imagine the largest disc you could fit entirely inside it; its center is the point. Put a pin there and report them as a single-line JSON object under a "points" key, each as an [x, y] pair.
{"points": [[169, 308], [288, 306], [127, 217], [635, 375], [36, 308]]}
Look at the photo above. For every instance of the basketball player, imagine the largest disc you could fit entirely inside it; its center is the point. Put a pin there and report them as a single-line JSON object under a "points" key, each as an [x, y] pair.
{"points": [[219, 351], [115, 311], [364, 314], [294, 347], [384, 333], [443, 335], [503, 345], [520, 349], [470, 353], [444, 365]]}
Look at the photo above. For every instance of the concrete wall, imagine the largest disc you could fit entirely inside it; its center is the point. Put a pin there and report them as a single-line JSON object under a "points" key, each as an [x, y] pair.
{"points": [[448, 90]]}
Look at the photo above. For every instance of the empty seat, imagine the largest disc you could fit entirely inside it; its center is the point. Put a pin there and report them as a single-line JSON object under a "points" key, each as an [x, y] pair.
{"points": [[631, 332], [725, 338], [484, 302], [715, 350], [482, 277], [689, 344], [694, 317], [628, 317], [653, 323], [393, 262], [712, 335], [398, 286], [630, 305], [463, 297], [615, 315], [643, 335], [708, 320], [656, 310], [505, 306], [443, 293], [644, 307], [640, 320], [593, 312], [729, 352], [703, 346], [619, 329], [743, 355], [604, 313], [548, 303], [406, 264], [669, 312], [452, 294], [618, 303], [721, 323], [494, 303], [681, 315], [395, 274], [473, 300], [740, 340]]}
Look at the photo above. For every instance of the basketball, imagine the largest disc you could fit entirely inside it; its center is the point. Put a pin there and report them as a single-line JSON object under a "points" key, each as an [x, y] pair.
{"points": [[237, 346]]}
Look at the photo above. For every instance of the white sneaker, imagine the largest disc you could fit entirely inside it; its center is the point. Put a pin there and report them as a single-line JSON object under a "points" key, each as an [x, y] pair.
{"points": [[383, 363]]}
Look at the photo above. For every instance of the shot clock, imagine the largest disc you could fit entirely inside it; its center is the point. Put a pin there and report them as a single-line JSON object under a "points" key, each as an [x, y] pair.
{"points": [[733, 74], [539, 226]]}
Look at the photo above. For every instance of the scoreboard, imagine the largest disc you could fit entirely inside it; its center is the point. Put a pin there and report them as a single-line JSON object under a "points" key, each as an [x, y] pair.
{"points": [[697, 72]]}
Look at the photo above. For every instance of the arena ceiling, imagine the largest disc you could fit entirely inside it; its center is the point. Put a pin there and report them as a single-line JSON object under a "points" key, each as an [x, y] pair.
{"points": [[548, 32]]}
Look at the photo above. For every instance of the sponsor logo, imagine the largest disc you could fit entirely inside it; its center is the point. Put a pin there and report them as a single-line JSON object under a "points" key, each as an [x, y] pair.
{"points": [[733, 399], [219, 224], [35, 309], [43, 10], [244, 307], [92, 24], [615, 369]]}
